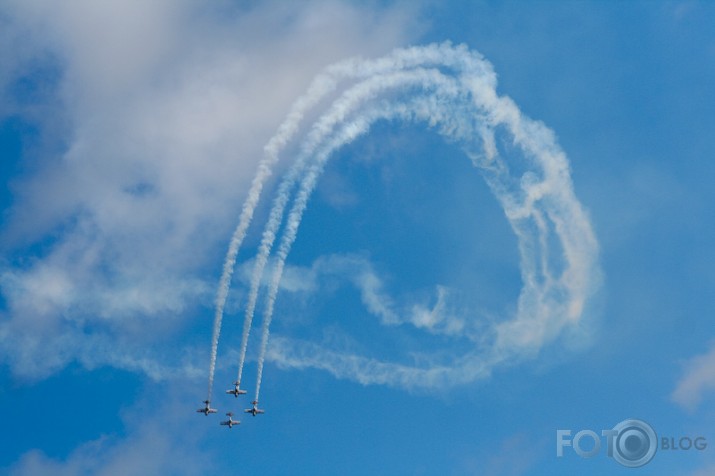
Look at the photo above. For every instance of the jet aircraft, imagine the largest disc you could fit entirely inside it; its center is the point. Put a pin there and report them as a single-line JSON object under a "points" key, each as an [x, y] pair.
{"points": [[255, 410], [236, 390], [230, 422], [207, 409]]}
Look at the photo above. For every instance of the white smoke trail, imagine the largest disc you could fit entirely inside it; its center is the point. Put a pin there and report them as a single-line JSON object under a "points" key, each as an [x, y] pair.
{"points": [[278, 272], [348, 103], [422, 109], [539, 298], [352, 98], [289, 353], [322, 85]]}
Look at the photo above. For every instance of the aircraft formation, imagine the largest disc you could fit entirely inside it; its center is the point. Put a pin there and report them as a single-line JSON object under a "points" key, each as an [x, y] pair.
{"points": [[235, 391]]}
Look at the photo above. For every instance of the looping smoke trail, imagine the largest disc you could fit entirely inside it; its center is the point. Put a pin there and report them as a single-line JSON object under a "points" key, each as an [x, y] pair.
{"points": [[321, 86], [415, 108], [464, 105], [542, 309], [349, 102]]}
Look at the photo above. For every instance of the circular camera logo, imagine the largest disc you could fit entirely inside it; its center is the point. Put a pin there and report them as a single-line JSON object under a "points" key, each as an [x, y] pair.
{"points": [[635, 443]]}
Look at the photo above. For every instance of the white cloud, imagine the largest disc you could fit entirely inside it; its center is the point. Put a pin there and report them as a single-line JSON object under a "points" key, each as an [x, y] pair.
{"points": [[704, 471], [161, 110], [515, 455], [152, 451], [698, 380], [153, 444]]}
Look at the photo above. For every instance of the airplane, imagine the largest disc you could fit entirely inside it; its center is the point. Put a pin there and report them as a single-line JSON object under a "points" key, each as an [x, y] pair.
{"points": [[207, 409], [236, 391], [230, 422], [255, 410]]}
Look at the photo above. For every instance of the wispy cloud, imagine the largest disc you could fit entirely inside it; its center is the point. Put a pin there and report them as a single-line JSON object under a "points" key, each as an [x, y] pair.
{"points": [[148, 447], [153, 117], [516, 455], [708, 470], [152, 451], [697, 381]]}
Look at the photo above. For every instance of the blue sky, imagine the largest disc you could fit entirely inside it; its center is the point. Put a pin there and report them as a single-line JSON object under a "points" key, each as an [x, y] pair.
{"points": [[130, 133]]}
